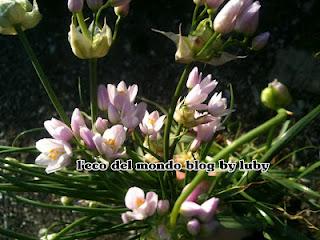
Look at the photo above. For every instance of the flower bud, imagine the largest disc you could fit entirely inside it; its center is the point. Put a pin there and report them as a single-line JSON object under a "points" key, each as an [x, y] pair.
{"points": [[199, 2], [103, 98], [87, 48], [87, 136], [226, 19], [101, 125], [260, 41], [214, 4], [75, 5], [163, 207], [276, 95], [94, 5], [77, 121], [18, 12], [248, 21], [193, 227], [66, 201], [194, 78], [122, 10]]}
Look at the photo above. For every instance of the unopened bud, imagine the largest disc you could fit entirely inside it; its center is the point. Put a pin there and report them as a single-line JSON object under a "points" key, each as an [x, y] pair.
{"points": [[75, 5], [94, 5], [116, 3], [163, 207], [122, 10], [214, 4], [276, 95], [260, 41], [248, 21], [193, 227], [66, 200], [199, 2]]}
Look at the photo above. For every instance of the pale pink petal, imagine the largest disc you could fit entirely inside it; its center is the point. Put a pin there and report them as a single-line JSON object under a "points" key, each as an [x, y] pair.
{"points": [[133, 196]]}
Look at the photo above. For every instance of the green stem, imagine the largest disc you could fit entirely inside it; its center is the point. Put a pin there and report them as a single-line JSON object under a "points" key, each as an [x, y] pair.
{"points": [[116, 28], [43, 78], [15, 235], [83, 25], [71, 226], [104, 6], [93, 89], [172, 108], [194, 16], [208, 44], [270, 137], [279, 118]]}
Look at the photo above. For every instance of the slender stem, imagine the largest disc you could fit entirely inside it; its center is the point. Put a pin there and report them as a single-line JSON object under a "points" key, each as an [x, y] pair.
{"points": [[208, 44], [42, 76], [83, 25], [116, 28], [93, 89], [194, 16], [70, 226], [270, 137], [15, 235], [279, 118], [172, 108], [104, 6]]}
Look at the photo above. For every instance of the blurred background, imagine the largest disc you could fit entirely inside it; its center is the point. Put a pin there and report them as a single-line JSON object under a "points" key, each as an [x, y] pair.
{"points": [[146, 58]]}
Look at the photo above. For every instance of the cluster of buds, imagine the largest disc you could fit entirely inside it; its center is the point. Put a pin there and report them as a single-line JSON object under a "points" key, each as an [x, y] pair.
{"points": [[200, 218], [187, 112], [210, 39], [18, 13], [143, 206], [105, 138]]}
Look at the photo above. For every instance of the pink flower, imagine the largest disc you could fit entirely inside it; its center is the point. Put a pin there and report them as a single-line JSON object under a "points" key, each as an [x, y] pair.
{"points": [[75, 5], [110, 143], [194, 78], [77, 121], [193, 226], [225, 20], [205, 133], [142, 206], [87, 136], [55, 154], [199, 93], [103, 98], [199, 189], [58, 129], [121, 95], [248, 20], [203, 212], [132, 114], [101, 125], [217, 105], [152, 124]]}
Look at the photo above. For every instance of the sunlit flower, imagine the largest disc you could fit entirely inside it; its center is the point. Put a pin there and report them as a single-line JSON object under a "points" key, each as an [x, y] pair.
{"points": [[101, 125], [110, 143], [102, 98], [77, 121], [58, 129], [217, 105], [132, 114], [122, 95], [142, 206], [152, 124], [87, 136], [55, 154]]}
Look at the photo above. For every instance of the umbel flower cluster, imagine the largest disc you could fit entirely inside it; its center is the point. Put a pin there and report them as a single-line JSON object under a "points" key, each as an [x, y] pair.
{"points": [[122, 128]]}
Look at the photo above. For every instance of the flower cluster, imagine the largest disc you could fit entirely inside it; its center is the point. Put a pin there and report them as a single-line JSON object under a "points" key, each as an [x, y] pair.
{"points": [[210, 38], [193, 111], [200, 217], [143, 206], [105, 137]]}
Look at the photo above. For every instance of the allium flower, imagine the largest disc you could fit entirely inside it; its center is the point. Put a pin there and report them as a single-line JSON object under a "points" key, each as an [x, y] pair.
{"points": [[217, 105], [55, 154], [203, 212], [142, 206], [194, 78], [122, 95], [205, 133], [94, 5], [77, 121], [197, 191], [103, 98], [214, 4], [86, 48], [199, 93], [163, 207], [110, 143], [101, 125], [18, 12], [132, 114], [122, 10], [117, 3], [87, 136], [225, 20], [152, 124], [58, 129], [248, 20]]}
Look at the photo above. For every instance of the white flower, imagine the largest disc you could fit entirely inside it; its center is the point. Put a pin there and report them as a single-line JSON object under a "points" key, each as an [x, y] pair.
{"points": [[55, 154], [142, 206], [152, 124]]}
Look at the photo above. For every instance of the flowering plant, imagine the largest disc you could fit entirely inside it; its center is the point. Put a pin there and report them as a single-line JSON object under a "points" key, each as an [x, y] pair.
{"points": [[139, 170]]}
